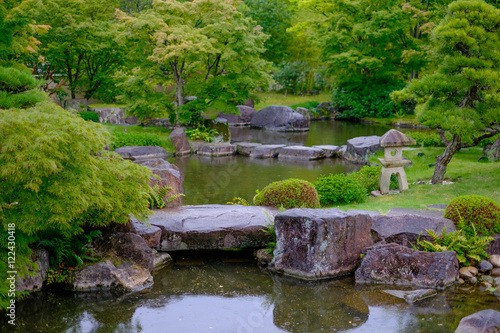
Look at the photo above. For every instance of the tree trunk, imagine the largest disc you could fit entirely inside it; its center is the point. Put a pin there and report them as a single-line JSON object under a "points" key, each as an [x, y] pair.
{"points": [[442, 160]]}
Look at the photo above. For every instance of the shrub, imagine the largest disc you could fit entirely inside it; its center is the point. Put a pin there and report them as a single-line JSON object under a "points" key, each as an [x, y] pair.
{"points": [[202, 133], [90, 115], [339, 189], [56, 179], [427, 139], [368, 177], [471, 212], [134, 139], [368, 98], [289, 193]]}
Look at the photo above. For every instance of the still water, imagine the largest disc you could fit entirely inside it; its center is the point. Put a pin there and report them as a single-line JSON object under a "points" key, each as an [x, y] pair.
{"points": [[217, 180], [227, 292]]}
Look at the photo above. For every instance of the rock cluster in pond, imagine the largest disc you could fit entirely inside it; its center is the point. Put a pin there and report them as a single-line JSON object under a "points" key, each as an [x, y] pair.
{"points": [[399, 265], [487, 274], [280, 118], [319, 244]]}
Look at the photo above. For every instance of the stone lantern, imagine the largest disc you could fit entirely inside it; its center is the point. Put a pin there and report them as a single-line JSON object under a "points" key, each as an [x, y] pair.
{"points": [[393, 142]]}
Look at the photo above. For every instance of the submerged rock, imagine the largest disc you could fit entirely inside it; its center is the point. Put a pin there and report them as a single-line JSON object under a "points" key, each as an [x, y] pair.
{"points": [[412, 296], [399, 265], [486, 321], [318, 244]]}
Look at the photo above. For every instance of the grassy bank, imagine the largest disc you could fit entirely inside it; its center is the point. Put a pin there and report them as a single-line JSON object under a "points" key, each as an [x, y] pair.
{"points": [[272, 98], [162, 133], [467, 174]]}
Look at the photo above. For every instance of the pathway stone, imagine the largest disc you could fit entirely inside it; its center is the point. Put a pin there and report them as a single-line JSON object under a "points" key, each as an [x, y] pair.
{"points": [[330, 150], [209, 227], [266, 151], [216, 149], [245, 148], [141, 153], [419, 212], [301, 153]]}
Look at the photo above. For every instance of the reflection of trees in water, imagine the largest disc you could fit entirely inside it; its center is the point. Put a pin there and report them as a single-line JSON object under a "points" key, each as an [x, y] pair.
{"points": [[332, 305]]}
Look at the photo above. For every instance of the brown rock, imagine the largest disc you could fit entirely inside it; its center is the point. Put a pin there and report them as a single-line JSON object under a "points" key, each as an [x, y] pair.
{"points": [[486, 321], [35, 282], [169, 176], [245, 148], [263, 256], [180, 141], [495, 272], [132, 247], [399, 265], [494, 247], [495, 260], [315, 244], [468, 272]]}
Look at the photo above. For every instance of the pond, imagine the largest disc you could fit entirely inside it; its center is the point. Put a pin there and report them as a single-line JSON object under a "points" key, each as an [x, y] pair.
{"points": [[227, 292], [217, 180]]}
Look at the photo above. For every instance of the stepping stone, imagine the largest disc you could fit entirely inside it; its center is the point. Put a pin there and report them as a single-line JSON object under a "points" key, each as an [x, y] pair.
{"points": [[437, 206], [141, 153], [211, 227], [301, 153], [216, 149], [245, 148], [266, 151], [330, 151]]}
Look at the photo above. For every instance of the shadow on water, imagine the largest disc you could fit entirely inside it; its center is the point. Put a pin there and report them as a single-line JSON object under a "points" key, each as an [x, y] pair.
{"points": [[227, 292]]}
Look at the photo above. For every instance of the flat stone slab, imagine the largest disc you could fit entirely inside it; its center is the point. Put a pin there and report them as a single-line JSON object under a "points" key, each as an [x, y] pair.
{"points": [[246, 148], [301, 153], [266, 151], [216, 149], [209, 227], [141, 153], [419, 212], [406, 229], [330, 150], [412, 296], [437, 206], [360, 148]]}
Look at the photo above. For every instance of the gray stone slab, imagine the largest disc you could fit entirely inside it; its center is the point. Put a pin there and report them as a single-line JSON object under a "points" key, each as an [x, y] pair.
{"points": [[330, 150], [437, 206], [301, 153], [141, 153], [212, 227], [420, 212], [245, 148], [266, 151], [216, 149]]}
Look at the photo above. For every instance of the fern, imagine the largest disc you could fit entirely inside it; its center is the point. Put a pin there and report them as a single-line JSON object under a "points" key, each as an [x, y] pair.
{"points": [[238, 201], [158, 196], [470, 248]]}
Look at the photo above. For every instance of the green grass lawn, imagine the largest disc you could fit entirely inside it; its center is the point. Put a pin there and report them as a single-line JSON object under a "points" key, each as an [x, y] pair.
{"points": [[162, 133], [467, 174], [272, 98]]}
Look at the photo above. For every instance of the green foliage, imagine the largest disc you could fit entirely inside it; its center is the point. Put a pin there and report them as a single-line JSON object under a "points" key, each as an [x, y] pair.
{"points": [[428, 139], [288, 75], [54, 167], [238, 201], [68, 253], [368, 98], [470, 249], [310, 105], [339, 189], [18, 88], [474, 212], [134, 139], [270, 231], [289, 193], [158, 196], [202, 133], [89, 115]]}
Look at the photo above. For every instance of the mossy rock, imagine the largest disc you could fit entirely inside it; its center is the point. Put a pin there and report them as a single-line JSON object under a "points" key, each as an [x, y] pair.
{"points": [[289, 193]]}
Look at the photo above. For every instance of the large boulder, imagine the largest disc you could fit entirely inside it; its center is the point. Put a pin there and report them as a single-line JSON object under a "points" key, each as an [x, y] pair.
{"points": [[216, 149], [34, 282], [105, 275], [492, 152], [486, 321], [280, 118], [315, 244], [406, 229], [141, 153], [325, 109], [359, 149], [180, 141], [266, 151], [150, 233], [243, 119], [113, 115], [399, 265], [169, 175], [210, 227], [133, 248], [301, 153]]}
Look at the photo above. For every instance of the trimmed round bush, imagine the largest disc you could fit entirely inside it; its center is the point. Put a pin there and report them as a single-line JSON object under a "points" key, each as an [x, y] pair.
{"points": [[480, 211], [339, 189], [289, 193]]}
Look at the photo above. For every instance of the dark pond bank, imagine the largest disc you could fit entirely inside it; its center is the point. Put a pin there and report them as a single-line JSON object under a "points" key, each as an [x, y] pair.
{"points": [[227, 292]]}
